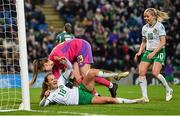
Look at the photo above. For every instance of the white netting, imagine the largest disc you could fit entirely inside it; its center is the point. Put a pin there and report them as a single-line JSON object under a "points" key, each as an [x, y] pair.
{"points": [[10, 82]]}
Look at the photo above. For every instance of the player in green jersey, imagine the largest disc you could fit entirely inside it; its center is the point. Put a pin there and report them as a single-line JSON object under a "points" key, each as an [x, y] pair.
{"points": [[55, 91], [65, 35]]}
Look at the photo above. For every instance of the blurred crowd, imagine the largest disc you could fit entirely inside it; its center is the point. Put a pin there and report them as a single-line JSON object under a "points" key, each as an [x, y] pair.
{"points": [[112, 27]]}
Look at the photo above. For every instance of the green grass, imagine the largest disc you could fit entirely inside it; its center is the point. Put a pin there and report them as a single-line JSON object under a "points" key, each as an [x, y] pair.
{"points": [[156, 106]]}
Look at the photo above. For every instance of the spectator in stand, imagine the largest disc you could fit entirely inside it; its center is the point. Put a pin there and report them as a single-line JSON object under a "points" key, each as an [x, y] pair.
{"points": [[169, 71], [109, 9], [176, 59]]}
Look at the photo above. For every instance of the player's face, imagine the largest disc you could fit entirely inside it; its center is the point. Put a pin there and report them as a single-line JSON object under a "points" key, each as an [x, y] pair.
{"points": [[52, 82], [48, 66], [148, 17]]}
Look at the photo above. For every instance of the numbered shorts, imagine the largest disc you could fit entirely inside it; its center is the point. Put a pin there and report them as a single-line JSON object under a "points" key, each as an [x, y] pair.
{"points": [[85, 54], [159, 57], [85, 96]]}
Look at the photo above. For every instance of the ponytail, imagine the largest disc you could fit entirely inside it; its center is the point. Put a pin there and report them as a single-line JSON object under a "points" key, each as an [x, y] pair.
{"points": [[37, 67], [35, 71], [160, 15]]}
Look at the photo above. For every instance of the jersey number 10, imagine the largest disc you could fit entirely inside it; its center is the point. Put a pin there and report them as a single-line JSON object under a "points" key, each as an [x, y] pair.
{"points": [[62, 92]]}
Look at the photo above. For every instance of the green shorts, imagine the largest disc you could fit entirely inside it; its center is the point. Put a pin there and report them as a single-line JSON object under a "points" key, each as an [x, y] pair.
{"points": [[158, 57], [85, 96]]}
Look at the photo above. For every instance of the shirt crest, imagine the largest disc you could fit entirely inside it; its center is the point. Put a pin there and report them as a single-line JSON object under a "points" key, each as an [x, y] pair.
{"points": [[155, 31]]}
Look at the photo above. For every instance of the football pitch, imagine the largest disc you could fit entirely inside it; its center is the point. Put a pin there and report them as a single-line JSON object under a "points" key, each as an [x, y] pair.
{"points": [[156, 106]]}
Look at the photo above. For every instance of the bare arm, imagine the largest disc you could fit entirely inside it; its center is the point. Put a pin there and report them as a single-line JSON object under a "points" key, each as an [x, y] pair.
{"points": [[141, 49], [68, 65], [44, 102], [76, 72], [143, 46]]}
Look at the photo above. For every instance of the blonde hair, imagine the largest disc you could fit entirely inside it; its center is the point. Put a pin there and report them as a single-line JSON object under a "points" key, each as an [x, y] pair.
{"points": [[160, 15]]}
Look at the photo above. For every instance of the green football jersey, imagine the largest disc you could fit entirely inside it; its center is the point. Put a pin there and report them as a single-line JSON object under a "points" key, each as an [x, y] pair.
{"points": [[64, 36]]}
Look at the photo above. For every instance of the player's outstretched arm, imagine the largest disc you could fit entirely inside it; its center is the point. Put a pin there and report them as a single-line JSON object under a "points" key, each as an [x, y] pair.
{"points": [[44, 102]]}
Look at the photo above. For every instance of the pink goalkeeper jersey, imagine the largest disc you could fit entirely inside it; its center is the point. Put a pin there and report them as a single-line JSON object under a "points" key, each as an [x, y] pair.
{"points": [[75, 50]]}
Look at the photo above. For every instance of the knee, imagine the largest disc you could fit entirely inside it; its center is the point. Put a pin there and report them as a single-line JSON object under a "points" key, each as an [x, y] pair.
{"points": [[142, 72], [155, 73], [92, 72]]}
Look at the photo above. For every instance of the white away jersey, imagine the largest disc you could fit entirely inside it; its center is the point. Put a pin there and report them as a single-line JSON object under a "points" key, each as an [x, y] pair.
{"points": [[63, 94], [152, 35]]}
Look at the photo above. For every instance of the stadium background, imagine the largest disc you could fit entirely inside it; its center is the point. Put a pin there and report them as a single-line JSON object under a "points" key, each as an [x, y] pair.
{"points": [[114, 35], [112, 27]]}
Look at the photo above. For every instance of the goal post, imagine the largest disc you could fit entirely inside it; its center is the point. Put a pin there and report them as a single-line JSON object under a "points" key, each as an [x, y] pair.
{"points": [[23, 55], [14, 77]]}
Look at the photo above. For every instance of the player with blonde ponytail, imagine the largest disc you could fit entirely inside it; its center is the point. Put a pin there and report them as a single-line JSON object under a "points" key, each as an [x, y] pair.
{"points": [[160, 15], [152, 50]]}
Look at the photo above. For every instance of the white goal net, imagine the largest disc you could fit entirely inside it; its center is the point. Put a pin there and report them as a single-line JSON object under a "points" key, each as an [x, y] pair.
{"points": [[14, 88]]}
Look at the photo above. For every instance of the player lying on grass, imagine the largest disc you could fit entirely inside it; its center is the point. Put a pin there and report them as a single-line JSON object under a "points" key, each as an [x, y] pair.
{"points": [[55, 91], [76, 50], [47, 65]]}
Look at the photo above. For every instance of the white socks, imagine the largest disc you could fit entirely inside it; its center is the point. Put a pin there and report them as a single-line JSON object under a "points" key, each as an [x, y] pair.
{"points": [[143, 85], [163, 81], [110, 85], [126, 101], [105, 74]]}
